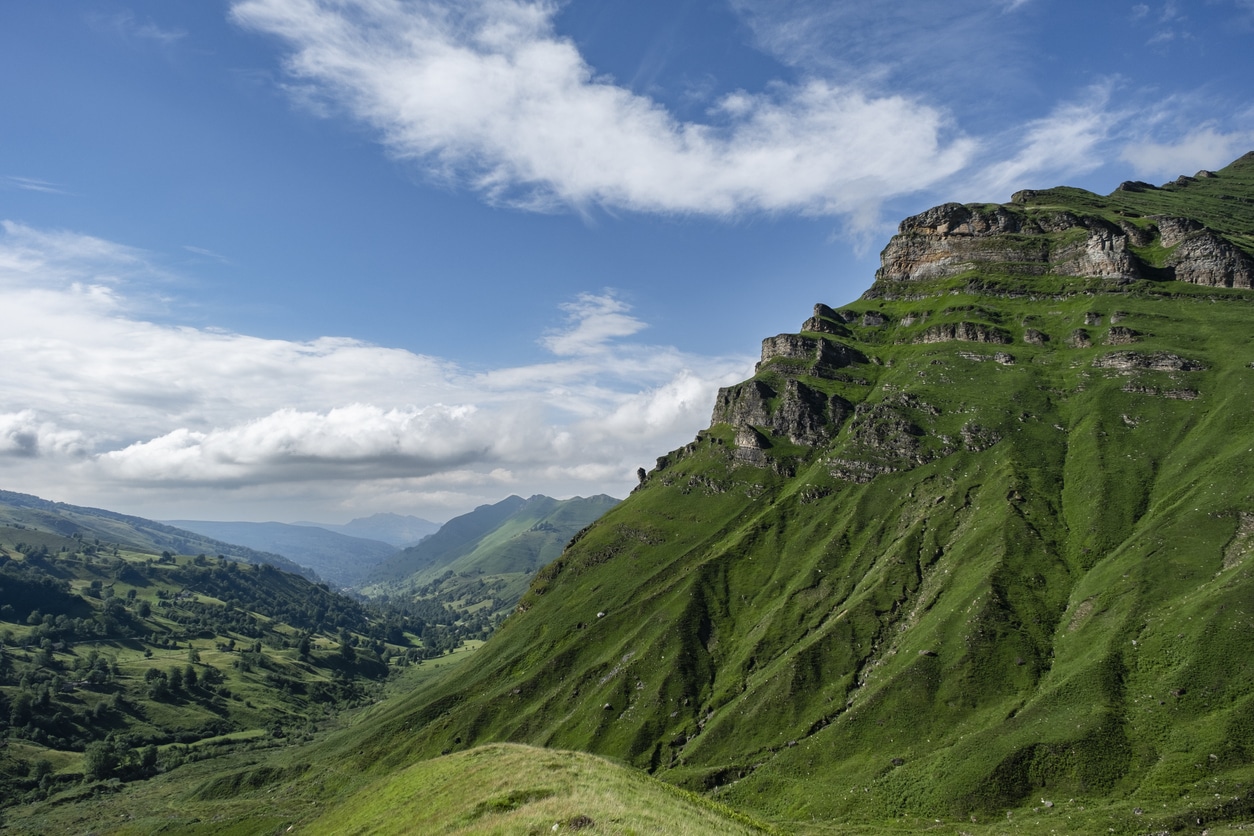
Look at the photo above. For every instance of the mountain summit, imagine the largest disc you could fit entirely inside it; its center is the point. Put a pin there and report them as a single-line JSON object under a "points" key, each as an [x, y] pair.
{"points": [[979, 538]]}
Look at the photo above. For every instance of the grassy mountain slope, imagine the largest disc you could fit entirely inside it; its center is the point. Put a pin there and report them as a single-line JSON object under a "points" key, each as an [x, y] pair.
{"points": [[1007, 563], [18, 510], [339, 558]]}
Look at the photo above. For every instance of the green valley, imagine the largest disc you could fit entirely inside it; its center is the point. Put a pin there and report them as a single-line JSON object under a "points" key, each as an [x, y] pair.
{"points": [[970, 554]]}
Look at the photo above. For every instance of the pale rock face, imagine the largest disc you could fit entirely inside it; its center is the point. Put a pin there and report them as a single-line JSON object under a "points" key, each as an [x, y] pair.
{"points": [[1103, 255], [811, 353], [971, 332], [1175, 230], [952, 239], [1206, 259], [801, 414]]}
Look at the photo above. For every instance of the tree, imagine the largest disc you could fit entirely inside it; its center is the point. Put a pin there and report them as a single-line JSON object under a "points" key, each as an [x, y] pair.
{"points": [[100, 760]]}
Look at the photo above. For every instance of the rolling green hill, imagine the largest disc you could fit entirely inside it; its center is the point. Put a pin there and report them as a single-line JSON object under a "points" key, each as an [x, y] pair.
{"points": [[117, 664], [106, 529]]}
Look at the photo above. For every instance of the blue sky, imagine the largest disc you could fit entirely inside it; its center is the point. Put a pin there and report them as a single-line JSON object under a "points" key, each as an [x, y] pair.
{"points": [[314, 259]]}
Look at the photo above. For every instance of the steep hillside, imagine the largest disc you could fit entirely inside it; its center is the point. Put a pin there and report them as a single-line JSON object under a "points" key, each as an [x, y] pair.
{"points": [[339, 558], [978, 540]]}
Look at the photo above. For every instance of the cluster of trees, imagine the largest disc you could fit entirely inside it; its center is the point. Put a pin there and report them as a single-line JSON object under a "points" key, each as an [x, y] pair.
{"points": [[58, 690]]}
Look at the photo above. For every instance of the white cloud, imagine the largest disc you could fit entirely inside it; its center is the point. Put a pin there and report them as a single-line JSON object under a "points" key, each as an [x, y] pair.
{"points": [[593, 321], [33, 184], [100, 406], [486, 93], [23, 434], [1203, 147], [1071, 140]]}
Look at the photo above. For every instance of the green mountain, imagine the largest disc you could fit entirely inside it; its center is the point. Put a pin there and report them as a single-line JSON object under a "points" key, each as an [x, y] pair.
{"points": [[106, 529], [514, 535], [482, 561], [971, 554], [339, 558], [977, 543]]}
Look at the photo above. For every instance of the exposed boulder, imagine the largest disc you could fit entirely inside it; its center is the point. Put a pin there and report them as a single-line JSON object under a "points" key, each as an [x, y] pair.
{"points": [[1031, 336], [1206, 259], [1157, 361], [811, 353], [972, 332], [827, 321], [1079, 339], [1119, 335]]}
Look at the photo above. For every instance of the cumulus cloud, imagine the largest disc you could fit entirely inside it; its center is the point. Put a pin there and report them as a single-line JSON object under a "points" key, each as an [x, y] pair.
{"points": [[22, 434], [486, 93], [97, 401]]}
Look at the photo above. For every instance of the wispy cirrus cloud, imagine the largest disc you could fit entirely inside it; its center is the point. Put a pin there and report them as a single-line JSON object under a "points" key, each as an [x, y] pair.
{"points": [[33, 184], [486, 93], [126, 26], [913, 42], [97, 401], [1073, 139]]}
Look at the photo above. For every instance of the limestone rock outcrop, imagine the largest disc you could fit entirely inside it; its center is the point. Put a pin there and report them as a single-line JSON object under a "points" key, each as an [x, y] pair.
{"points": [[1205, 258], [972, 332], [795, 411], [1022, 240], [802, 353]]}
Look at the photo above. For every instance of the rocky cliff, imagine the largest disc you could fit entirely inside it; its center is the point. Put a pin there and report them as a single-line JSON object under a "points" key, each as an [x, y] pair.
{"points": [[1118, 238]]}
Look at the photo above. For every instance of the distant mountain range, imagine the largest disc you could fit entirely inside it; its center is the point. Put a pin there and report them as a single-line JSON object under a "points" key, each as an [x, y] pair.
{"points": [[397, 529], [337, 558]]}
